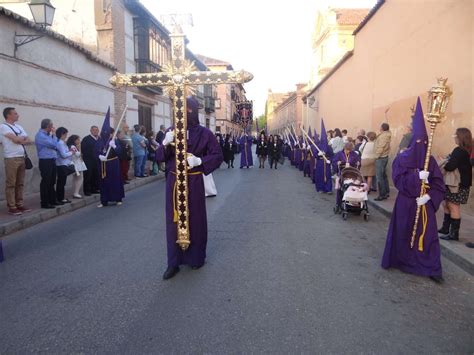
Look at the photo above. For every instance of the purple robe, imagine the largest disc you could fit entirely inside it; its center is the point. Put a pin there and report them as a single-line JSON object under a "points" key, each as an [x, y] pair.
{"points": [[301, 159], [246, 159], [323, 176], [297, 157], [110, 177], [398, 253], [354, 160], [203, 144], [312, 164]]}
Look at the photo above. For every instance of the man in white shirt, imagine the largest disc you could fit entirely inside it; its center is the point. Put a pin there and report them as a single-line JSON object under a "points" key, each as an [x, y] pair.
{"points": [[14, 138]]}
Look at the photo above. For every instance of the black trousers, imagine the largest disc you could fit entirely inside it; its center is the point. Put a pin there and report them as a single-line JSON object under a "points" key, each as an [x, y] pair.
{"points": [[273, 160], [47, 169], [61, 182], [91, 176]]}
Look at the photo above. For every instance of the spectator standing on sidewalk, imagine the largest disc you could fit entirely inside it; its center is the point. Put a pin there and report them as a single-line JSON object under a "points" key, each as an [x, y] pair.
{"points": [[152, 146], [14, 138], [46, 147], [139, 151], [64, 165], [74, 144], [458, 178], [91, 175], [159, 139], [382, 150]]}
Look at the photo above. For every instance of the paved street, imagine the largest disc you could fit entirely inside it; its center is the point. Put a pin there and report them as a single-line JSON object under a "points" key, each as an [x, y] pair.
{"points": [[283, 275]]}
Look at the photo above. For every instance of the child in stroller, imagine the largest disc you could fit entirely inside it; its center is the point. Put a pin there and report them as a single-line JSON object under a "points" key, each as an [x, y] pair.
{"points": [[351, 189], [351, 194]]}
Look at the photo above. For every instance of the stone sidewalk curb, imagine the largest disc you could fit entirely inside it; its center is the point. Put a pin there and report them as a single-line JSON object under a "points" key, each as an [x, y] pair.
{"points": [[448, 249], [28, 220]]}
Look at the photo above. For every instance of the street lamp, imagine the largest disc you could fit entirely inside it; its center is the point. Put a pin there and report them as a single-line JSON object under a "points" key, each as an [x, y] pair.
{"points": [[43, 14]]}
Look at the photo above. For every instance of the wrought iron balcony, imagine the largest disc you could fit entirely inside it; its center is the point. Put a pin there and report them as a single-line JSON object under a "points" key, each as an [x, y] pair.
{"points": [[147, 66], [209, 104]]}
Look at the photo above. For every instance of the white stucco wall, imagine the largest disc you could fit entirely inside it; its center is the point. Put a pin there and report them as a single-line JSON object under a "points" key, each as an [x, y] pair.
{"points": [[49, 79]]}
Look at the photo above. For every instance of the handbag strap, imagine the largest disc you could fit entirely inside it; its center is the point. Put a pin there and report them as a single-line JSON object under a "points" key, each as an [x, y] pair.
{"points": [[26, 154]]}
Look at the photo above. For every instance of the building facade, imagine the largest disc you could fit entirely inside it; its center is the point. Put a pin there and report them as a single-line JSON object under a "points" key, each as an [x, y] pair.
{"points": [[126, 34], [70, 84], [285, 110], [400, 49], [333, 38], [226, 97]]}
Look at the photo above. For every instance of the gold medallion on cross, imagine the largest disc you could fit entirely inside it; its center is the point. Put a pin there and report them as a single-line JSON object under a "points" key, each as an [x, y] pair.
{"points": [[176, 78]]}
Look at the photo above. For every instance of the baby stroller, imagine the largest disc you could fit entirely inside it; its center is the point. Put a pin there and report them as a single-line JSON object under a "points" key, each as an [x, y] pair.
{"points": [[351, 196]]}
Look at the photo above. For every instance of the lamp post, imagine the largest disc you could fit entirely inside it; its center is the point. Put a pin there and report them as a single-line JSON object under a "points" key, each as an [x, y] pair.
{"points": [[43, 14]]}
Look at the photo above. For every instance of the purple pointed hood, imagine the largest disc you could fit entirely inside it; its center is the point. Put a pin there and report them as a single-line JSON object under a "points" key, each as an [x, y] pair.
{"points": [[414, 155], [105, 131], [316, 138], [192, 105], [323, 143]]}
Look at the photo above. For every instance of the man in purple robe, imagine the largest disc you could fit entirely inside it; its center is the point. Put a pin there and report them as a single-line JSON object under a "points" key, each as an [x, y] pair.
{"points": [[110, 177], [407, 173], [206, 157], [246, 159], [323, 179]]}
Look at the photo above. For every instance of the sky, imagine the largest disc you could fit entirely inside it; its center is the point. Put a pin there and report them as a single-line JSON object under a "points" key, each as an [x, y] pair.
{"points": [[271, 39]]}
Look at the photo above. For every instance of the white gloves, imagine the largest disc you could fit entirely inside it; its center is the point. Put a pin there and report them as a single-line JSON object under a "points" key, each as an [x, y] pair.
{"points": [[420, 201], [169, 138], [102, 158], [321, 154], [194, 161], [424, 175], [112, 144]]}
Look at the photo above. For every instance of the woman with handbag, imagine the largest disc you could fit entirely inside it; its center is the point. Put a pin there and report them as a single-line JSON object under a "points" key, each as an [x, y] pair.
{"points": [[457, 161], [64, 165], [74, 144]]}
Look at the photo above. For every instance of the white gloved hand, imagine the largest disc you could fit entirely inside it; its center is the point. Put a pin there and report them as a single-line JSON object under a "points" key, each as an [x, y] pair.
{"points": [[169, 138], [424, 175], [420, 201], [320, 154], [102, 158], [194, 161], [112, 144]]}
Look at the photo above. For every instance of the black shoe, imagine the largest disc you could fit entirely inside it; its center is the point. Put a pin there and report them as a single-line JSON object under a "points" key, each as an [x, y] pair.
{"points": [[58, 203], [87, 194], [96, 192], [196, 267], [380, 198], [47, 207], [446, 225], [470, 244], [170, 272], [437, 279]]}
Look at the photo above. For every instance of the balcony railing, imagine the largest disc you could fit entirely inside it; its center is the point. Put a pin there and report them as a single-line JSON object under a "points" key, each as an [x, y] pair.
{"points": [[147, 66], [209, 104]]}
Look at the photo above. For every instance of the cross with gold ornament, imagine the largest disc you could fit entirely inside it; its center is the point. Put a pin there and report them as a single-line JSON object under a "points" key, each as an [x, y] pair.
{"points": [[177, 77]]}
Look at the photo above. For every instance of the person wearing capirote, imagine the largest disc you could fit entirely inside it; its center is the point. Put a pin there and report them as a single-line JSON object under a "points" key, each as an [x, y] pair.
{"points": [[204, 156], [14, 138]]}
